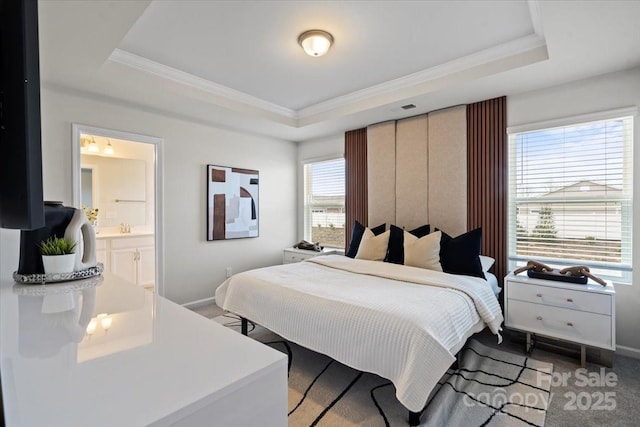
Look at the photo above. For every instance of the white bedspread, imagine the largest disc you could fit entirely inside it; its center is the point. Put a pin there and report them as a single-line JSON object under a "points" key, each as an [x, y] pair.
{"points": [[399, 322]]}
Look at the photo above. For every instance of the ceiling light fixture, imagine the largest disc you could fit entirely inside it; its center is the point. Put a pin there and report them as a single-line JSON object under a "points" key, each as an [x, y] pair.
{"points": [[315, 42], [108, 150]]}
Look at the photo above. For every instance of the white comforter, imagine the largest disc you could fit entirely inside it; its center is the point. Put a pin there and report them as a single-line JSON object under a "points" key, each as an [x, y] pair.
{"points": [[383, 319]]}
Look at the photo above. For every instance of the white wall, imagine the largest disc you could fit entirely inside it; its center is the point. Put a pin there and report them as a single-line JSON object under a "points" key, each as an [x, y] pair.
{"points": [[314, 150], [117, 178], [193, 266], [607, 92]]}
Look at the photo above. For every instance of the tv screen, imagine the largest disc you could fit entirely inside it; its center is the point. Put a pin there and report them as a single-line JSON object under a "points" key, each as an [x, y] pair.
{"points": [[21, 201]]}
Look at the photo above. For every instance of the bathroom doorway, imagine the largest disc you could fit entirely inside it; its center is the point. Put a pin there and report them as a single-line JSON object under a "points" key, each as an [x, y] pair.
{"points": [[117, 182]]}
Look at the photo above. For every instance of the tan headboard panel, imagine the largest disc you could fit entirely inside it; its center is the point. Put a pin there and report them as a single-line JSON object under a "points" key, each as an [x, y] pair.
{"points": [[417, 171], [381, 170], [412, 172], [448, 169]]}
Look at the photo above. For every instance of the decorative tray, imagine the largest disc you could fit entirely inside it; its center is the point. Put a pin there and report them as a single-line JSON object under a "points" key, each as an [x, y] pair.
{"points": [[555, 275], [42, 278], [42, 289]]}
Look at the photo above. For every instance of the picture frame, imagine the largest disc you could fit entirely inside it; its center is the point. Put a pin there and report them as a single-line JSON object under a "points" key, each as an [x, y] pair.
{"points": [[233, 210]]}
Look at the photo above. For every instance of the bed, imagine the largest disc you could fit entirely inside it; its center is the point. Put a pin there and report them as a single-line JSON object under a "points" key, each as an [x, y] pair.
{"points": [[403, 323]]}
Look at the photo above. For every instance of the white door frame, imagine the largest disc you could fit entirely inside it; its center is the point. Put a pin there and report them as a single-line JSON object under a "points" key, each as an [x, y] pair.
{"points": [[158, 144]]}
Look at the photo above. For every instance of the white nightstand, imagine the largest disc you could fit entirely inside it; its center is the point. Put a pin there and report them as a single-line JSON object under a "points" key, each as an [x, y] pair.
{"points": [[291, 255], [583, 314]]}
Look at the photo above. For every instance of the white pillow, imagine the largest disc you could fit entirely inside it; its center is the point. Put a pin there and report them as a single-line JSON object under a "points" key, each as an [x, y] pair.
{"points": [[486, 262], [373, 247], [423, 252]]}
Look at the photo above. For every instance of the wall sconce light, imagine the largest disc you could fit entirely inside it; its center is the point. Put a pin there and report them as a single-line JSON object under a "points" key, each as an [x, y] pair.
{"points": [[315, 42], [91, 327], [93, 146], [106, 323], [108, 150]]}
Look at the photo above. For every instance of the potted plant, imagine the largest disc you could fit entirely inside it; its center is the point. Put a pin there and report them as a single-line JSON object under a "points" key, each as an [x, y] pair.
{"points": [[58, 254]]}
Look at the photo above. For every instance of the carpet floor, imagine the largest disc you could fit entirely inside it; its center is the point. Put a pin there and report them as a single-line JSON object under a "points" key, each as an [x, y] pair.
{"points": [[594, 397], [489, 388]]}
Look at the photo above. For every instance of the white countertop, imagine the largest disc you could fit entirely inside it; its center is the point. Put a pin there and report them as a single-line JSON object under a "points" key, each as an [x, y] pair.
{"points": [[156, 363], [111, 235]]}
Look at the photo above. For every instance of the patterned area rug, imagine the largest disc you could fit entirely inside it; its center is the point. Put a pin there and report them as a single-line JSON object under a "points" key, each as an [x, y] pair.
{"points": [[490, 388]]}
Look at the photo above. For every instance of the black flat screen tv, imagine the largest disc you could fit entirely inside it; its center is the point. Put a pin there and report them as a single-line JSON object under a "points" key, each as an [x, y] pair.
{"points": [[21, 199]]}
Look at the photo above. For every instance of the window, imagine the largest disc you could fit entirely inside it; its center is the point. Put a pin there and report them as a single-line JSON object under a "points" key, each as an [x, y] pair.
{"points": [[570, 196], [324, 215]]}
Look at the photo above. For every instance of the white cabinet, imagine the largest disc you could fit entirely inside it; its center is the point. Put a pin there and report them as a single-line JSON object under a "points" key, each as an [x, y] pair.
{"points": [[133, 258], [123, 264], [583, 314], [292, 255], [130, 257], [146, 266]]}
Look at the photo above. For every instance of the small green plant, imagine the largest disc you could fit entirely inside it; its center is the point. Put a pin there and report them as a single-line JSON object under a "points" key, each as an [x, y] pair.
{"points": [[57, 246]]}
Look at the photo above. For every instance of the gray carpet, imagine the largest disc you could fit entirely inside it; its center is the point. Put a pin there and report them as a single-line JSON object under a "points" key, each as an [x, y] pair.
{"points": [[490, 388], [563, 410]]}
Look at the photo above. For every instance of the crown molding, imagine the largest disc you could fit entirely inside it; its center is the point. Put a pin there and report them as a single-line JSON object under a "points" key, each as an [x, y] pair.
{"points": [[504, 51], [141, 63], [516, 53]]}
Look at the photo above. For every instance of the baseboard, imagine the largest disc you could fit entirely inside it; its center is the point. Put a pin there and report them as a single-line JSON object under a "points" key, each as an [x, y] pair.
{"points": [[200, 302], [623, 350]]}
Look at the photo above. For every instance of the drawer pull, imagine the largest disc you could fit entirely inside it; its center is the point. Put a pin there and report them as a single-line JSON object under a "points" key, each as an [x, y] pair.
{"points": [[569, 299], [539, 317], [539, 295], [569, 324]]}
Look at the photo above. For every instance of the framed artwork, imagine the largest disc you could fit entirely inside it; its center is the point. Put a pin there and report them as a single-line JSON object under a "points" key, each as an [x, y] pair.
{"points": [[232, 203]]}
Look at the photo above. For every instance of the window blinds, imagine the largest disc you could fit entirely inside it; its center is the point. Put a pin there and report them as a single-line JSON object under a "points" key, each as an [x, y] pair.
{"points": [[570, 196], [324, 213]]}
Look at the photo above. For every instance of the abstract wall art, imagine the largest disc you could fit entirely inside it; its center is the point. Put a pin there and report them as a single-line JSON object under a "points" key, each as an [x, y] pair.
{"points": [[232, 203]]}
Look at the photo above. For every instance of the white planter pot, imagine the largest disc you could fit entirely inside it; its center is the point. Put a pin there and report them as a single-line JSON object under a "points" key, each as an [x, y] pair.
{"points": [[58, 263]]}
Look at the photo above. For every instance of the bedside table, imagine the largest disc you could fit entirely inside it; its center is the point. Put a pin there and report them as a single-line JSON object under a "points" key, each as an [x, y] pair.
{"points": [[291, 255], [582, 314]]}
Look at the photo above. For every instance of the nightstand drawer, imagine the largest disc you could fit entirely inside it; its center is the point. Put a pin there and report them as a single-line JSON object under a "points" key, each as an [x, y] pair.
{"points": [[571, 325], [291, 257], [559, 297]]}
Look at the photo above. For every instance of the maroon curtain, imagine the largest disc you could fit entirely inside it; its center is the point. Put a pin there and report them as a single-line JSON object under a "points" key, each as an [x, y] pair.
{"points": [[355, 159], [487, 178]]}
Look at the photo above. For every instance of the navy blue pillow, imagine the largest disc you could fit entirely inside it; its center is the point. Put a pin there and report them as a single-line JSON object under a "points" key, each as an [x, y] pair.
{"points": [[421, 231], [461, 255], [356, 237], [395, 249]]}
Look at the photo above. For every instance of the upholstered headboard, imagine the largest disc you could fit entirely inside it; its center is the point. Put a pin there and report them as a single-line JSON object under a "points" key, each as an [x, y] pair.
{"points": [[417, 171]]}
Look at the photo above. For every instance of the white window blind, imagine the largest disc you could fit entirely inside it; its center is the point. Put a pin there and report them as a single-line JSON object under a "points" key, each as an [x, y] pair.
{"points": [[324, 214], [570, 196]]}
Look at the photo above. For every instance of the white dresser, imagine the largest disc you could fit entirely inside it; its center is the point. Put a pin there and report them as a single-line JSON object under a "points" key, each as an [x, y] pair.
{"points": [[109, 353], [291, 255], [582, 314]]}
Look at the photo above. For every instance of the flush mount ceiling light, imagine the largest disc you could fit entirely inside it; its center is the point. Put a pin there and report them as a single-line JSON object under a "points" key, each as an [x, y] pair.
{"points": [[315, 42]]}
